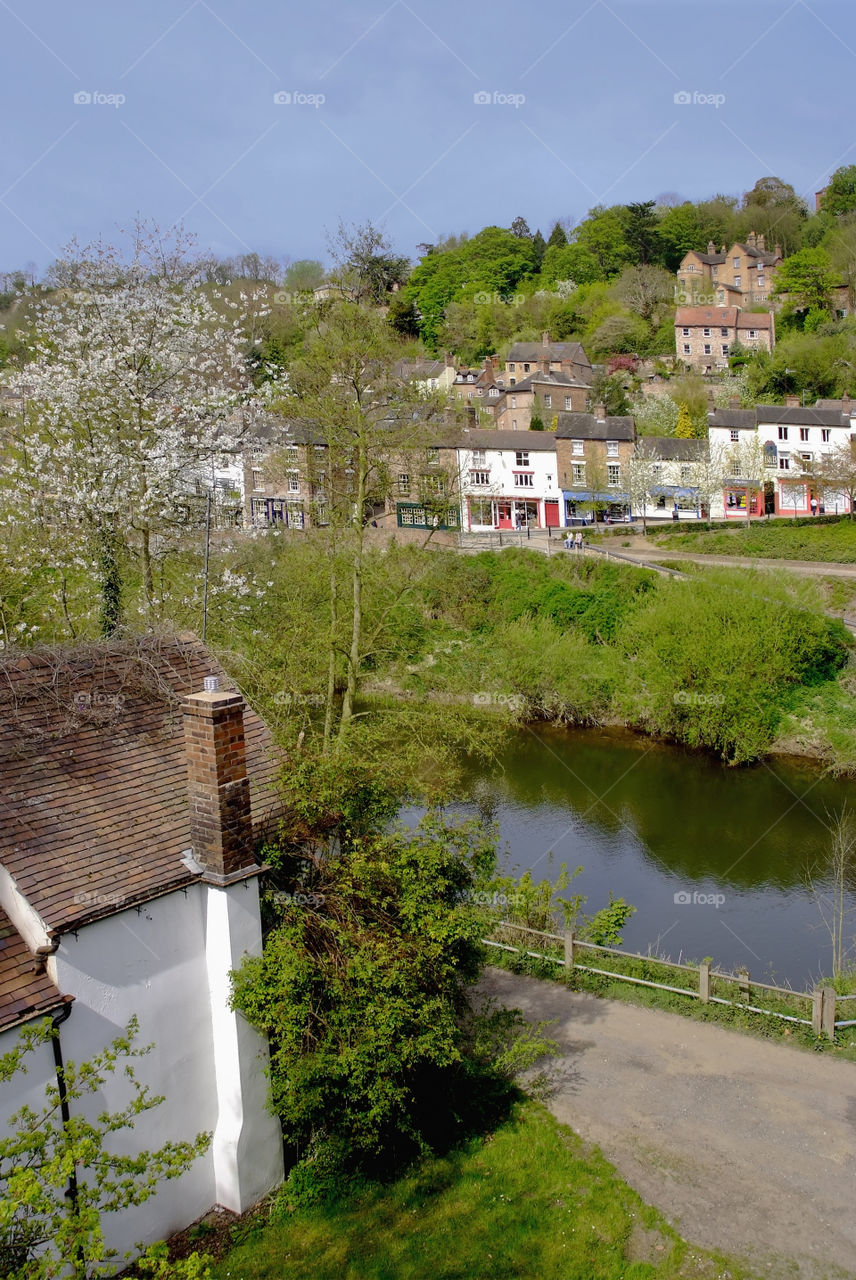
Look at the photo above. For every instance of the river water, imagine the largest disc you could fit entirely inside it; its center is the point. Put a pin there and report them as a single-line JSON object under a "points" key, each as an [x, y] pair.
{"points": [[713, 858]]}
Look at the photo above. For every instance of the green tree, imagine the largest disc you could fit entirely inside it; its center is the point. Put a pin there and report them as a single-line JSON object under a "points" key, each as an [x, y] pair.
{"points": [[840, 194], [364, 986], [520, 228], [557, 239], [807, 278], [303, 276], [640, 231], [365, 262], [539, 248], [60, 1176]]}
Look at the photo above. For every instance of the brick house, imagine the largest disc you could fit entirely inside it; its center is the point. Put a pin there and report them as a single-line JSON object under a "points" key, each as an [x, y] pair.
{"points": [[135, 797], [742, 275], [561, 357], [544, 393], [592, 449], [705, 336]]}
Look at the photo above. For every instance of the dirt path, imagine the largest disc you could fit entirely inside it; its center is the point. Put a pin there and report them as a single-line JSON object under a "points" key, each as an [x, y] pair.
{"points": [[650, 551], [744, 1145]]}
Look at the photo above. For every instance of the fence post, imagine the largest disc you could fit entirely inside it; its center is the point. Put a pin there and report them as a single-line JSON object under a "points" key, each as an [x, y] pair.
{"points": [[569, 951], [704, 982], [817, 1011], [743, 984], [829, 1012]]}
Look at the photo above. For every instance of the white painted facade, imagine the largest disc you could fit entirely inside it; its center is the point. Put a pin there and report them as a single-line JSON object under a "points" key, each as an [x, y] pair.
{"points": [[788, 447], [509, 488], [168, 963]]}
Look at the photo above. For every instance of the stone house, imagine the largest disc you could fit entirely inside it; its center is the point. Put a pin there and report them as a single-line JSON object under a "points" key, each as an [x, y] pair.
{"points": [[742, 275], [705, 336], [561, 357], [137, 786], [544, 393], [592, 451]]}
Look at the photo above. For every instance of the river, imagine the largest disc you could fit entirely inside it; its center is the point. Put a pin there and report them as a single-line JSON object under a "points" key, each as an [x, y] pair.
{"points": [[713, 858]]}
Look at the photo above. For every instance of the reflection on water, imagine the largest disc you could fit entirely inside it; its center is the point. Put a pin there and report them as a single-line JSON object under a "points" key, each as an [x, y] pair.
{"points": [[651, 822]]}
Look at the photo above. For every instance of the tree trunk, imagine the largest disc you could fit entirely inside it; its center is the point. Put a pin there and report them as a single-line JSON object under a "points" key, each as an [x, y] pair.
{"points": [[357, 593], [110, 578], [148, 576], [331, 658]]}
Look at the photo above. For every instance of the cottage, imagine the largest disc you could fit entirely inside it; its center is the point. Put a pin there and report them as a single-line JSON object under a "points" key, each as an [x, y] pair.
{"points": [[706, 336], [562, 357], [137, 784], [507, 482]]}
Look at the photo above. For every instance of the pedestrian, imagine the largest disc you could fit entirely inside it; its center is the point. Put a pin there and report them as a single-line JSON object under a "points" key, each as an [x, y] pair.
{"points": [[579, 540], [813, 505], [568, 544]]}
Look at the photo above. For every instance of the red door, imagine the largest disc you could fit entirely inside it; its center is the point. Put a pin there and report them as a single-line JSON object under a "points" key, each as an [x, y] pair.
{"points": [[551, 513], [503, 515]]}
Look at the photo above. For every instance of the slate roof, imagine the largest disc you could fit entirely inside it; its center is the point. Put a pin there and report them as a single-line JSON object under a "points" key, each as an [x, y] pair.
{"points": [[420, 369], [551, 379], [533, 441], [26, 991], [93, 775], [740, 418], [808, 416], [585, 426], [572, 351]]}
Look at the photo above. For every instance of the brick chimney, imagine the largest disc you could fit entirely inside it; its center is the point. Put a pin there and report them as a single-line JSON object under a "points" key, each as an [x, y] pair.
{"points": [[600, 412], [545, 338], [762, 244], [845, 406], [450, 360], [778, 251], [217, 784], [711, 247], [792, 402], [544, 364], [733, 402], [750, 240]]}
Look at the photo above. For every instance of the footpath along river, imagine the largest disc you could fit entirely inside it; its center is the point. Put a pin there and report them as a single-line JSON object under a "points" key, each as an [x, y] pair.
{"points": [[713, 858]]}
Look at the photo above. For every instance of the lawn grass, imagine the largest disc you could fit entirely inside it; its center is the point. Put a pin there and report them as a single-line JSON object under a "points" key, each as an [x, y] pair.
{"points": [[820, 542], [530, 1200]]}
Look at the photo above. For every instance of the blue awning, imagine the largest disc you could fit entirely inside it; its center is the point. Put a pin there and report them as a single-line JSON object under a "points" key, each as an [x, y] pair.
{"points": [[586, 495], [672, 491]]}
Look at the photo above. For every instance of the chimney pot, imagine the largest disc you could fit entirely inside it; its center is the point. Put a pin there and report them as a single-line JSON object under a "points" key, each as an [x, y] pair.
{"points": [[211, 684]]}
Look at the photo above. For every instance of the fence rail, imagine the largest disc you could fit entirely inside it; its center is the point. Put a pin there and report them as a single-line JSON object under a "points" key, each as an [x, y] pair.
{"points": [[822, 1000]]}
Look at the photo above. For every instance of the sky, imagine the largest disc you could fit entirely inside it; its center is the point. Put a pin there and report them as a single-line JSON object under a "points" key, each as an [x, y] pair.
{"points": [[260, 124]]}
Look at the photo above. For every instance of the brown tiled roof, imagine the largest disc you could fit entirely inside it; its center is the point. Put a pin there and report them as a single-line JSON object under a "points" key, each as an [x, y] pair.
{"points": [[720, 316], [93, 790], [754, 320], [25, 990]]}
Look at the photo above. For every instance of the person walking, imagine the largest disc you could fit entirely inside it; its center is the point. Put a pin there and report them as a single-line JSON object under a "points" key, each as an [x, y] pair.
{"points": [[579, 540], [813, 505]]}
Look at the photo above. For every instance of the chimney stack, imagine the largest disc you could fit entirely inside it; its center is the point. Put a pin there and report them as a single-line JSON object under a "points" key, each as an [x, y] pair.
{"points": [[600, 412], [544, 364], [218, 788], [545, 338], [450, 360], [750, 240], [792, 402], [778, 251], [711, 247], [845, 405], [733, 401], [762, 244]]}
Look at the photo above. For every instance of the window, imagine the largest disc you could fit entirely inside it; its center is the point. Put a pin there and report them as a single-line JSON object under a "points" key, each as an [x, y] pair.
{"points": [[783, 433], [735, 436], [511, 366], [578, 472], [481, 511], [521, 457], [738, 282], [258, 483], [577, 448], [784, 462], [613, 475], [513, 424], [567, 402], [707, 348], [735, 262], [432, 484], [686, 348], [293, 482], [723, 333], [612, 448], [686, 475], [514, 402], [548, 402], [480, 477], [433, 457], [724, 348], [806, 457], [753, 333], [494, 391], [803, 433], [512, 382], [760, 281], [526, 368], [825, 434], [685, 331], [479, 458], [403, 482], [524, 480], [705, 333], [690, 266]]}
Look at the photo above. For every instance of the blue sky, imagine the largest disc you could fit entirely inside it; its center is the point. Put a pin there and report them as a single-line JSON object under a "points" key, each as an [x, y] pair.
{"points": [[581, 110]]}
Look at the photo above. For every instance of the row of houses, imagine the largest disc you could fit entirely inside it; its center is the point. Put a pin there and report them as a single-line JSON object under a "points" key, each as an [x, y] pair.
{"points": [[593, 466]]}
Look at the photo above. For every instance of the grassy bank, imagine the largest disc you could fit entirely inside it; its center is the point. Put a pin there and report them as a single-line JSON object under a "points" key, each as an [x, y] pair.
{"points": [[529, 1201], [821, 542]]}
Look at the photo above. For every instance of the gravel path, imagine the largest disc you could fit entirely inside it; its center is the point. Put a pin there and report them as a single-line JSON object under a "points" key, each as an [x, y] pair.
{"points": [[743, 1145]]}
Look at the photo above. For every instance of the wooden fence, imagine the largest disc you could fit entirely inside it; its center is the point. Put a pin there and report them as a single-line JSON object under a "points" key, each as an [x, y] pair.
{"points": [[702, 982]]}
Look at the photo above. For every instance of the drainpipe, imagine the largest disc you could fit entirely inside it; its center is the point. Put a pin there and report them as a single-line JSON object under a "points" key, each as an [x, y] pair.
{"points": [[71, 1190]]}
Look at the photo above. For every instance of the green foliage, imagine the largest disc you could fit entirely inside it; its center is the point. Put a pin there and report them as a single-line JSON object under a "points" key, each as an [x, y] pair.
{"points": [[807, 278], [684, 425], [362, 987], [840, 194], [51, 1214]]}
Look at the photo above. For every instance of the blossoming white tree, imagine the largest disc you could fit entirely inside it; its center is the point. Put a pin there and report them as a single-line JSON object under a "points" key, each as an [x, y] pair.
{"points": [[139, 379]]}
